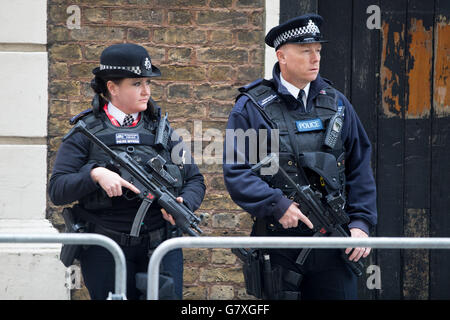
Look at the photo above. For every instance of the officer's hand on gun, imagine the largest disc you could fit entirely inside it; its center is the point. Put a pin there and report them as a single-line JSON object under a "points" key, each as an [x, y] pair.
{"points": [[167, 216], [357, 253], [112, 183], [292, 216]]}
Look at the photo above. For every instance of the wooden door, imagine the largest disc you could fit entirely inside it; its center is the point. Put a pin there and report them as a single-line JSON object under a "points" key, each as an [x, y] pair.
{"points": [[397, 78]]}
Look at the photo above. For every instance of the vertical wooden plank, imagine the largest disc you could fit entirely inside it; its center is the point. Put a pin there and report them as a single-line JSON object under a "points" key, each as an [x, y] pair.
{"points": [[336, 60], [293, 8], [390, 166], [419, 56], [365, 68], [440, 176]]}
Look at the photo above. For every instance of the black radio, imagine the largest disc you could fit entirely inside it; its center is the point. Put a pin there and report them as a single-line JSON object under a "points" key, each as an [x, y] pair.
{"points": [[333, 130]]}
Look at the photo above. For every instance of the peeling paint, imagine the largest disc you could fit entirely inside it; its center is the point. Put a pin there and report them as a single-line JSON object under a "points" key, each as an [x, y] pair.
{"points": [[441, 94], [392, 100], [419, 69], [417, 80]]}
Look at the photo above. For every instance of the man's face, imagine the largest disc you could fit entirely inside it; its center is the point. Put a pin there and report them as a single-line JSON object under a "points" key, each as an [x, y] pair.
{"points": [[299, 63]]}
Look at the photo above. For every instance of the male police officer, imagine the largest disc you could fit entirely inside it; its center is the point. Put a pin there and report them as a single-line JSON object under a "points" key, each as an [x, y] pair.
{"points": [[302, 106]]}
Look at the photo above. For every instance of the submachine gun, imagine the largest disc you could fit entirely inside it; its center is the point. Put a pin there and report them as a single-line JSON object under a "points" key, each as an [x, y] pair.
{"points": [[327, 216], [152, 183]]}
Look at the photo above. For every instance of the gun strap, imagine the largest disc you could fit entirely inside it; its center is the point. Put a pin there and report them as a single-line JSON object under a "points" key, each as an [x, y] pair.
{"points": [[153, 238], [304, 253], [291, 131], [301, 258], [260, 227]]}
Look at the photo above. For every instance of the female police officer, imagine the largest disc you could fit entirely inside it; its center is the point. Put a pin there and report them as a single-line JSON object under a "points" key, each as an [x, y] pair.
{"points": [[125, 118]]}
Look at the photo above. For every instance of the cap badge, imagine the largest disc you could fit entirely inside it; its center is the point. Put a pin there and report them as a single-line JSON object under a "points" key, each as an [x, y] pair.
{"points": [[312, 28], [147, 64]]}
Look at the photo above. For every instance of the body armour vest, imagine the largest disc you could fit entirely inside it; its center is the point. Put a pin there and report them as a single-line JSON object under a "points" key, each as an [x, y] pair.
{"points": [[323, 166], [137, 141]]}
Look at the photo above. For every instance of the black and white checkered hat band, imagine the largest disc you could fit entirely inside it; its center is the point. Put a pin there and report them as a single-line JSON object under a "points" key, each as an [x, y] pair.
{"points": [[134, 69], [310, 28]]}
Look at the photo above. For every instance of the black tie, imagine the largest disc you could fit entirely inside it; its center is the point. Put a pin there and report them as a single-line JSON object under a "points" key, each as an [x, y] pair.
{"points": [[300, 98], [128, 120]]}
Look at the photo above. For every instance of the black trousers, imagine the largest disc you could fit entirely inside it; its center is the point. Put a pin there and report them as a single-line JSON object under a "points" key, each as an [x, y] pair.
{"points": [[325, 274], [98, 269]]}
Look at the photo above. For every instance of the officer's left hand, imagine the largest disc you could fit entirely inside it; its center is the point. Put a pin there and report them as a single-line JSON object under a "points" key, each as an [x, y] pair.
{"points": [[167, 216], [357, 252]]}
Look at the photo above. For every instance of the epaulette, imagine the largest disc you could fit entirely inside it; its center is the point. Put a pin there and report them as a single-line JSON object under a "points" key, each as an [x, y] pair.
{"points": [[250, 85], [261, 92], [328, 81], [75, 119]]}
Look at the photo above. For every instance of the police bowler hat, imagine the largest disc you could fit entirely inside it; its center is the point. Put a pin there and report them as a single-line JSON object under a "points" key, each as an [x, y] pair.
{"points": [[126, 60], [302, 29]]}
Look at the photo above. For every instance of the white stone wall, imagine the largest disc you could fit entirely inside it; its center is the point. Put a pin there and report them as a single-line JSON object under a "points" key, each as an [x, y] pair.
{"points": [[28, 271], [272, 20]]}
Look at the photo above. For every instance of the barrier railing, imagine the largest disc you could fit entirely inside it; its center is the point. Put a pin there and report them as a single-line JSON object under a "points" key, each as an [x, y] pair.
{"points": [[81, 239], [281, 242]]}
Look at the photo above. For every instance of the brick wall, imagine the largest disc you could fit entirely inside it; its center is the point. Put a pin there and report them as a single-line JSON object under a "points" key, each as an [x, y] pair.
{"points": [[205, 49]]}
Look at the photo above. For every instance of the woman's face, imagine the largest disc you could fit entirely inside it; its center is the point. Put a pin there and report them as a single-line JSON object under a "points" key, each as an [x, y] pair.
{"points": [[130, 95]]}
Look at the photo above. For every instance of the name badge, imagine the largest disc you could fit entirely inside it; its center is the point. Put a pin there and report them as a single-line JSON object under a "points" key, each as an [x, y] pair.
{"points": [[127, 138], [309, 125]]}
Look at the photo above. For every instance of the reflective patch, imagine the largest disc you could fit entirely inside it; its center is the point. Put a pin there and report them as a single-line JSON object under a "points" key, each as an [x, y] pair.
{"points": [[265, 101], [127, 138], [309, 125]]}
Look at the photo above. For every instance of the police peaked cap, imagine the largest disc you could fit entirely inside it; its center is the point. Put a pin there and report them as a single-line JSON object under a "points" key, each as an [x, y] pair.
{"points": [[302, 29], [126, 60]]}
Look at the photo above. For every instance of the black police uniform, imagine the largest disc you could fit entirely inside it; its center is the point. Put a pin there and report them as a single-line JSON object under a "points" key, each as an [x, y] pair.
{"points": [[343, 170], [71, 181]]}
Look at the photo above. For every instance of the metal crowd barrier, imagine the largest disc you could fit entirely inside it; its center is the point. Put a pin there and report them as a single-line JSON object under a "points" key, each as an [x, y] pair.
{"points": [[281, 242], [81, 239]]}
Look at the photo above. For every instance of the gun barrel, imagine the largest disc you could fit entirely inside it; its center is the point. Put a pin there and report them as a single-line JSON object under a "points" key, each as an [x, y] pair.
{"points": [[184, 217]]}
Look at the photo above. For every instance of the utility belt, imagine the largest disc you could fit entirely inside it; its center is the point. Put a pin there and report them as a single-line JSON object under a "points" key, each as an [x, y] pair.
{"points": [[153, 238], [77, 220]]}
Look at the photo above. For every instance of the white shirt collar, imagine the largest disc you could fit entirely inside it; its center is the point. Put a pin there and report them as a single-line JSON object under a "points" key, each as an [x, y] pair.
{"points": [[118, 114], [294, 90]]}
